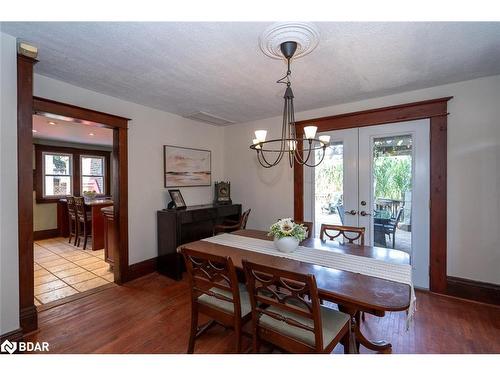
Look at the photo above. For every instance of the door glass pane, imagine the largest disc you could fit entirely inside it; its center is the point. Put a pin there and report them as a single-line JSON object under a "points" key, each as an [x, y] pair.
{"points": [[392, 190], [329, 187]]}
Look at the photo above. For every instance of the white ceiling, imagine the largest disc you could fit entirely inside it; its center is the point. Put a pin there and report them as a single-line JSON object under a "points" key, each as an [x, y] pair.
{"points": [[66, 131], [218, 67]]}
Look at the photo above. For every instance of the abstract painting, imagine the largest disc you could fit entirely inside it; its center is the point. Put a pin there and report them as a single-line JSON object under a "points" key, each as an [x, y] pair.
{"points": [[186, 167]]}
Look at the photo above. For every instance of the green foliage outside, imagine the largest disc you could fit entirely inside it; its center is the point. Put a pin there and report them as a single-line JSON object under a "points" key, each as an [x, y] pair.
{"points": [[392, 176]]}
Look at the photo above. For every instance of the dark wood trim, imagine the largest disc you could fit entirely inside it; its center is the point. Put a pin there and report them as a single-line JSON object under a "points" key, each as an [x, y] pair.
{"points": [[436, 111], [473, 290], [27, 310], [45, 234], [76, 152], [13, 336], [143, 268], [120, 199], [72, 112]]}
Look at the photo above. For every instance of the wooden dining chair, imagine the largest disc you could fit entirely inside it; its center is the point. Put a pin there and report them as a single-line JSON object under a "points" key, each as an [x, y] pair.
{"points": [[215, 292], [232, 225], [84, 220], [308, 225], [72, 219], [350, 234], [292, 318]]}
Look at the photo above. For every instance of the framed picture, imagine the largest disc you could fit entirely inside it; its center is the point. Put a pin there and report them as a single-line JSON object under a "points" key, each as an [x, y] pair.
{"points": [[176, 197], [186, 167]]}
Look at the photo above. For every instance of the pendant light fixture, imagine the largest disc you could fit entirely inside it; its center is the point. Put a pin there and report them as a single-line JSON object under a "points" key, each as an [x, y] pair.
{"points": [[299, 150]]}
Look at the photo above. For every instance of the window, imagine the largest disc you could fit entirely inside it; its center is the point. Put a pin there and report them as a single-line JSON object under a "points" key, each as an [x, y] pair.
{"points": [[92, 170], [57, 174]]}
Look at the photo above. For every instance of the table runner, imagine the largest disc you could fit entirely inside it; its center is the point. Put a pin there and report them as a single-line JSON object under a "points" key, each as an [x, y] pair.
{"points": [[400, 273]]}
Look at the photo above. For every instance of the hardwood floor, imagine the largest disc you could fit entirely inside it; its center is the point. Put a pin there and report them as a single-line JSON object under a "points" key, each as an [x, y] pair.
{"points": [[151, 315]]}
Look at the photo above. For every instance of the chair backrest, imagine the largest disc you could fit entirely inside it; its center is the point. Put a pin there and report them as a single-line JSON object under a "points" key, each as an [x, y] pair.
{"points": [[351, 234], [80, 208], [207, 271], [398, 216], [308, 225], [70, 200], [287, 291], [341, 211], [244, 218]]}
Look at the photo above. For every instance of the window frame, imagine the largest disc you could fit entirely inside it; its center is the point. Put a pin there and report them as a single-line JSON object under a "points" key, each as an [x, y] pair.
{"points": [[44, 174], [105, 171], [38, 172]]}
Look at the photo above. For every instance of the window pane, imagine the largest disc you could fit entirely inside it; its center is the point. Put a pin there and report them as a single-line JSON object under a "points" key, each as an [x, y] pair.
{"points": [[93, 184], [92, 166], [57, 185], [57, 164]]}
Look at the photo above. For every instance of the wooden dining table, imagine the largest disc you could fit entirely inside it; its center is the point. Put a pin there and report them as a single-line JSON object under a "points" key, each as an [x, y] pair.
{"points": [[354, 293]]}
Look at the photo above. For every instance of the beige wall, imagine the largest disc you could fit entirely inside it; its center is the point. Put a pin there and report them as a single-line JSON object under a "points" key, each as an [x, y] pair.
{"points": [[473, 172], [9, 274]]}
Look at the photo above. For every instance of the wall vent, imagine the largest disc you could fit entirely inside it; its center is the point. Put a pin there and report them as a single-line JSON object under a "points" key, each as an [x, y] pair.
{"points": [[208, 118]]}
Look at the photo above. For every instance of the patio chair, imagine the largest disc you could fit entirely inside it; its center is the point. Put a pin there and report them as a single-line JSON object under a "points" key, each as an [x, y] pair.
{"points": [[341, 211], [390, 229]]}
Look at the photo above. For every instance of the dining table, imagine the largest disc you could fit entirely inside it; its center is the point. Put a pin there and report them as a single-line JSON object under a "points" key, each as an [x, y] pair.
{"points": [[354, 293]]}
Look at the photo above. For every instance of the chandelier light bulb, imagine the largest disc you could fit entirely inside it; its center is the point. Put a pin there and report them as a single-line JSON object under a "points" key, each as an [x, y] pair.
{"points": [[292, 145], [325, 139], [261, 135], [256, 142], [310, 131]]}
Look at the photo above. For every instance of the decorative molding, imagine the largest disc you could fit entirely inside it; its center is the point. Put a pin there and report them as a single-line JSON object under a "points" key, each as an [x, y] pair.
{"points": [[305, 34], [45, 234], [473, 290]]}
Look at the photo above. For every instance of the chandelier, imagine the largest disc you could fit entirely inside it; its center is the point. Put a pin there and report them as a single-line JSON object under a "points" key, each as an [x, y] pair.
{"points": [[301, 150]]}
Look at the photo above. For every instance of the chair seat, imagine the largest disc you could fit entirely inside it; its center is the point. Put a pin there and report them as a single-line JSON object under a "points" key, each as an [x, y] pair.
{"points": [[332, 323], [228, 307]]}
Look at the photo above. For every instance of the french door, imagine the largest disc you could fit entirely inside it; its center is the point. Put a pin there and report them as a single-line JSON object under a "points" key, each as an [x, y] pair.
{"points": [[376, 177]]}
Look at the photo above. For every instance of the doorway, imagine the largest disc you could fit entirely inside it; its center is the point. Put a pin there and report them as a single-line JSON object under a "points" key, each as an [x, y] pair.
{"points": [[377, 177]]}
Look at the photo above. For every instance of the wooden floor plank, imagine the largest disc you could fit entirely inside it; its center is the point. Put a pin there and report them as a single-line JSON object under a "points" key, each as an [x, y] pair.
{"points": [[151, 315]]}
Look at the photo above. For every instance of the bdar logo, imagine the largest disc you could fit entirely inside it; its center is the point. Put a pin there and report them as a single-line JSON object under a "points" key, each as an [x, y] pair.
{"points": [[8, 347]]}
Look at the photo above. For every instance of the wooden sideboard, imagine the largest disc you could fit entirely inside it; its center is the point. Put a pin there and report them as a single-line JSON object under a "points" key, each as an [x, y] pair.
{"points": [[177, 227]]}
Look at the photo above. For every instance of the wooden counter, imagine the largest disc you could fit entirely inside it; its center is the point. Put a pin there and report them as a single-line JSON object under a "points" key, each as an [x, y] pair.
{"points": [[94, 206]]}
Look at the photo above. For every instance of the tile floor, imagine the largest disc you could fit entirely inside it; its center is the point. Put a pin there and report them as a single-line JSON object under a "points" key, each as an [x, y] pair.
{"points": [[62, 270]]}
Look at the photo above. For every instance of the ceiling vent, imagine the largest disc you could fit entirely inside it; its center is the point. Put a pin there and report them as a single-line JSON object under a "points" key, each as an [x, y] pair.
{"points": [[208, 118]]}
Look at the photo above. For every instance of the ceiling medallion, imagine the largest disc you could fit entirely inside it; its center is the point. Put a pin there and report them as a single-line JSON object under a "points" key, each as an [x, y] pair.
{"points": [[306, 36], [298, 149]]}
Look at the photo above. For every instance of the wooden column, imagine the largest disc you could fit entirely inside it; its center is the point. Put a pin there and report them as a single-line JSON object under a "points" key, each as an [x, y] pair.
{"points": [[27, 309], [120, 196]]}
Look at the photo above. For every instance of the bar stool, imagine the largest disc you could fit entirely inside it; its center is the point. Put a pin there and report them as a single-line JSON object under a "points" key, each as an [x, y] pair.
{"points": [[84, 221], [73, 222]]}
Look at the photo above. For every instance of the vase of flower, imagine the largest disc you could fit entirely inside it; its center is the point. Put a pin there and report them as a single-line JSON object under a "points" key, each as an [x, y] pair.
{"points": [[287, 235]]}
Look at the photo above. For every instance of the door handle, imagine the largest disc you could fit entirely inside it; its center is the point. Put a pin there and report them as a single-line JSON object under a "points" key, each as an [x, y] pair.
{"points": [[352, 212], [364, 213]]}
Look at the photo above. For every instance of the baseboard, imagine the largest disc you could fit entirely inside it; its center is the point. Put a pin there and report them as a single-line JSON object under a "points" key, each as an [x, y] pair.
{"points": [[140, 269], [473, 290], [28, 319], [15, 335], [45, 234]]}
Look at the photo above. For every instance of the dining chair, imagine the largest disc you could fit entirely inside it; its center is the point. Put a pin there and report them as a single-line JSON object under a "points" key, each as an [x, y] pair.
{"points": [[72, 219], [292, 318], [215, 292], [84, 220], [232, 225], [308, 225], [350, 234]]}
